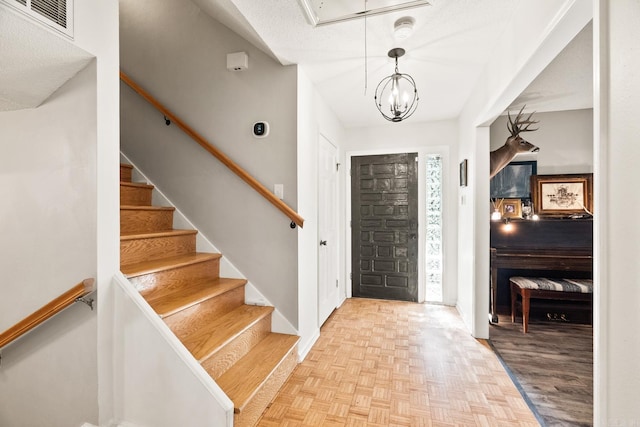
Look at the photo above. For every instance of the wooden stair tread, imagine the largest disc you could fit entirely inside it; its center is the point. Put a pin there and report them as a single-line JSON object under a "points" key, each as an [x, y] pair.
{"points": [[151, 235], [209, 338], [126, 165], [168, 263], [207, 313], [136, 184], [166, 304], [255, 368], [146, 208]]}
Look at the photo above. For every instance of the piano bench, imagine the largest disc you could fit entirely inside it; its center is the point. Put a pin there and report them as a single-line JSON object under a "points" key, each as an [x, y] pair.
{"points": [[542, 288]]}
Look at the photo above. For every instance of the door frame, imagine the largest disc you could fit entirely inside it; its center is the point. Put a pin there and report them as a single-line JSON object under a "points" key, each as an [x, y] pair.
{"points": [[448, 294]]}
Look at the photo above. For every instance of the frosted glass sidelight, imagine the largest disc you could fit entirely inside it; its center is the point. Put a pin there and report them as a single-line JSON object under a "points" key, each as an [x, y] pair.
{"points": [[433, 250]]}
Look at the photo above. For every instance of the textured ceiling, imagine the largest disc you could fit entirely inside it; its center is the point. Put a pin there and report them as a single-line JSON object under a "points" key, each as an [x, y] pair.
{"points": [[34, 63], [451, 43], [567, 82], [445, 54]]}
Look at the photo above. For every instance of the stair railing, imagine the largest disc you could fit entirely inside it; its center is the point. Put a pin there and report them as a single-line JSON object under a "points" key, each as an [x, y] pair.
{"points": [[235, 168], [47, 311]]}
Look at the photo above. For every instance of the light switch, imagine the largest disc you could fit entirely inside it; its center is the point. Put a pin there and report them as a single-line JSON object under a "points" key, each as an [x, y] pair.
{"points": [[278, 190]]}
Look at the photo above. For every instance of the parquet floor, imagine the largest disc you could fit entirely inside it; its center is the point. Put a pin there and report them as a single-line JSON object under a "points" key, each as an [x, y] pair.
{"points": [[388, 363], [553, 363]]}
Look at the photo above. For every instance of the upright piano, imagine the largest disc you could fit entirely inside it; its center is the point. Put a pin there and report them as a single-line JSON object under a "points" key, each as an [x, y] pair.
{"points": [[547, 247]]}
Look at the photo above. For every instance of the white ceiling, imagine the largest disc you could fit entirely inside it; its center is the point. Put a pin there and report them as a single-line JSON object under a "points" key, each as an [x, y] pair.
{"points": [[34, 63], [446, 53], [567, 82]]}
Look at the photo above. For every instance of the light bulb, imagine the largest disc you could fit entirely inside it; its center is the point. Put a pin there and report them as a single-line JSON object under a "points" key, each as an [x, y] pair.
{"points": [[496, 215]]}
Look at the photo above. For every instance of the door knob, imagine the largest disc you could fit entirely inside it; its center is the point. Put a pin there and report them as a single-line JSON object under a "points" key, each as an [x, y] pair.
{"points": [[323, 243]]}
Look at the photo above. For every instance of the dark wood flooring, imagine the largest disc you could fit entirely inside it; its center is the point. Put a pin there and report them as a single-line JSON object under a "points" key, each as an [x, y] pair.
{"points": [[553, 364]]}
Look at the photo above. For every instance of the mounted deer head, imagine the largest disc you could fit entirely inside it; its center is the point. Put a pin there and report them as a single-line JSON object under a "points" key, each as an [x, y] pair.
{"points": [[514, 144]]}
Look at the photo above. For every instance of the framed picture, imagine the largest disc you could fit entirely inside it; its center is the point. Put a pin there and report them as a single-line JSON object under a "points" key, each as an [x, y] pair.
{"points": [[463, 173], [562, 195], [511, 208], [514, 180]]}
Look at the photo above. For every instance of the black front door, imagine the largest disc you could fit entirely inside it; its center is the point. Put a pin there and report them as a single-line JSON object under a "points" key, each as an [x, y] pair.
{"points": [[384, 226]]}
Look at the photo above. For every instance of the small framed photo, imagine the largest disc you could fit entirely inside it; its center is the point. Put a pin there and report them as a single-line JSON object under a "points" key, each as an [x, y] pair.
{"points": [[463, 173], [511, 208], [562, 195]]}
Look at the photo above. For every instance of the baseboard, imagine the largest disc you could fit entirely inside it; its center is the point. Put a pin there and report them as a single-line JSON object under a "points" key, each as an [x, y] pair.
{"points": [[305, 347]]}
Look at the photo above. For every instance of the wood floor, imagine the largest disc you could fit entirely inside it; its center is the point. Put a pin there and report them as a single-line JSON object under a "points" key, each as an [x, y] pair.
{"points": [[388, 363], [553, 363]]}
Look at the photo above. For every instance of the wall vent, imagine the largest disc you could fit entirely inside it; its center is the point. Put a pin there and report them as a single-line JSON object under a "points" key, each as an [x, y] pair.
{"points": [[56, 14]]}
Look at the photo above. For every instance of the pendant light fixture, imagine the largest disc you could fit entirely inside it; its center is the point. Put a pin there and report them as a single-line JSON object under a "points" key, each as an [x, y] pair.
{"points": [[396, 95]]}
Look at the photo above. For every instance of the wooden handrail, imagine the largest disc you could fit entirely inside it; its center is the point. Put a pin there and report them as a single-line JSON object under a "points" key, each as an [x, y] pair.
{"points": [[47, 311], [244, 175]]}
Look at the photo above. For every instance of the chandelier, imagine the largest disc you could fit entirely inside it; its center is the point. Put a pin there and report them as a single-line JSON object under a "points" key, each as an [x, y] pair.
{"points": [[396, 95]]}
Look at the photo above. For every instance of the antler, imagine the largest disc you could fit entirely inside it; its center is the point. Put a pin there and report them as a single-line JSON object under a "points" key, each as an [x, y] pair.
{"points": [[515, 127]]}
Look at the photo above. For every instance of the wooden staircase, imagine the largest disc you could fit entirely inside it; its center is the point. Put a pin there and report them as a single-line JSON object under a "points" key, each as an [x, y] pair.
{"points": [[231, 340]]}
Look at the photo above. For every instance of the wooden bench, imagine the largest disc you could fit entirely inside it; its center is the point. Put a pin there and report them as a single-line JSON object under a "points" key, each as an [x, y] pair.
{"points": [[544, 288]]}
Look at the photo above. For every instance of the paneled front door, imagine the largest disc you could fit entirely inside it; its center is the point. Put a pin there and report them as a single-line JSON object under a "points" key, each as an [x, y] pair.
{"points": [[384, 226]]}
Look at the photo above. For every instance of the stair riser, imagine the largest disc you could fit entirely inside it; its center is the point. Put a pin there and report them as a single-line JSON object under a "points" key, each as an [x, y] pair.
{"points": [[139, 250], [254, 409], [221, 361], [135, 196], [149, 284], [195, 293], [186, 321], [125, 173], [142, 221]]}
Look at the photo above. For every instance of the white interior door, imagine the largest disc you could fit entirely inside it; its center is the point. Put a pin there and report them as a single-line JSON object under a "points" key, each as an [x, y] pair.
{"points": [[327, 229]]}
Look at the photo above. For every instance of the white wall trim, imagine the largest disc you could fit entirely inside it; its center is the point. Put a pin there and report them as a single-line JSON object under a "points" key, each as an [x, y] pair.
{"points": [[305, 347], [601, 104]]}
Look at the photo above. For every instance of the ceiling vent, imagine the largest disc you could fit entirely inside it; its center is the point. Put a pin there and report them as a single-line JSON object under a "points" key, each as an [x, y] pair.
{"points": [[56, 14]]}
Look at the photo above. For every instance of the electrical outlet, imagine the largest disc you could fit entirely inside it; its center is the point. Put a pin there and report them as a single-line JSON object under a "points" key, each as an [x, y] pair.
{"points": [[278, 190]]}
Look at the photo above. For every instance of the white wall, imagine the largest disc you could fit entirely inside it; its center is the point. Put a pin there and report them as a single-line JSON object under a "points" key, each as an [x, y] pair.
{"points": [[434, 137], [48, 228], [96, 31], [565, 139], [617, 238], [178, 53], [158, 382], [519, 58], [314, 119], [78, 128]]}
